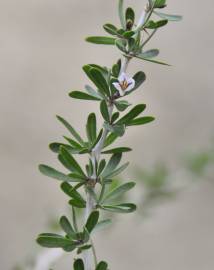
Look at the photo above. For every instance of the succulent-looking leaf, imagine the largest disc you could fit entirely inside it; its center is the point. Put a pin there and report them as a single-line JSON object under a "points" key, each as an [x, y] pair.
{"points": [[101, 40], [78, 264], [82, 95], [91, 127], [117, 171], [150, 53], [138, 109], [155, 25], [51, 172], [94, 93], [71, 191], [119, 191], [75, 167], [110, 139], [55, 241], [120, 208], [117, 150], [122, 105], [71, 130], [111, 29], [104, 111], [159, 3], [102, 266], [112, 164], [67, 227], [77, 203], [92, 221], [139, 78], [151, 60], [140, 121], [169, 17], [102, 224]]}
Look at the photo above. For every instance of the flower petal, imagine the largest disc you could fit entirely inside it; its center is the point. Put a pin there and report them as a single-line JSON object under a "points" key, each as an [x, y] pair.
{"points": [[123, 77], [117, 86], [131, 83]]}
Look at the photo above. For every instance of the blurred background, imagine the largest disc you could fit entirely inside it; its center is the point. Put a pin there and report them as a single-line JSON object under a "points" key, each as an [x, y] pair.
{"points": [[42, 51]]}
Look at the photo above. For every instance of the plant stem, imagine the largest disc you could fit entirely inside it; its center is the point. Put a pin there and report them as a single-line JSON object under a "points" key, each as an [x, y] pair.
{"points": [[95, 157]]}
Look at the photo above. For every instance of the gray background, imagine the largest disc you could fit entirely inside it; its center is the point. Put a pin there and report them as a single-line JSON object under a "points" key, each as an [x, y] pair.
{"points": [[42, 50]]}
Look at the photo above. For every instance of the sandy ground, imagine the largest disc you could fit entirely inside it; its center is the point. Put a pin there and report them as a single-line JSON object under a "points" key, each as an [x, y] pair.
{"points": [[42, 50]]}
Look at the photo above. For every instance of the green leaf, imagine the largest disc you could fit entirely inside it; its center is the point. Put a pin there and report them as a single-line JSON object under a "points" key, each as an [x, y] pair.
{"points": [[73, 143], [91, 127], [121, 44], [51, 172], [110, 139], [103, 224], [101, 40], [150, 53], [139, 78], [66, 226], [112, 164], [71, 130], [117, 150], [120, 208], [77, 203], [92, 221], [111, 29], [117, 192], [71, 191], [82, 95], [115, 116], [130, 15], [102, 266], [104, 111], [159, 3], [94, 93], [97, 139], [121, 16], [117, 171], [101, 166], [119, 130], [78, 264], [138, 109], [169, 17], [155, 25], [116, 69], [55, 147], [74, 166], [122, 105], [151, 60], [129, 34], [140, 121], [54, 241], [83, 248], [99, 80]]}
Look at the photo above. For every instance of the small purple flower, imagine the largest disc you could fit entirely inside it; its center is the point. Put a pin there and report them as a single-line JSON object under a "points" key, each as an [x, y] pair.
{"points": [[124, 84]]}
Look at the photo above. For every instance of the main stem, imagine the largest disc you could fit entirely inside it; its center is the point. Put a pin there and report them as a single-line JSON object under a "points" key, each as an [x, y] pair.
{"points": [[95, 157], [96, 153]]}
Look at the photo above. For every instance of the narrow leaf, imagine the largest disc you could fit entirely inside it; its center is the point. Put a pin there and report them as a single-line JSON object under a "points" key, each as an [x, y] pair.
{"points": [[117, 150], [82, 95], [71, 130], [51, 172], [101, 40], [119, 191], [138, 109], [78, 264], [92, 221], [120, 208]]}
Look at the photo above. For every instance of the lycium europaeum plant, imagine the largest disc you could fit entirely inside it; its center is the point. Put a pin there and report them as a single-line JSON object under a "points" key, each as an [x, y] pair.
{"points": [[112, 86]]}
